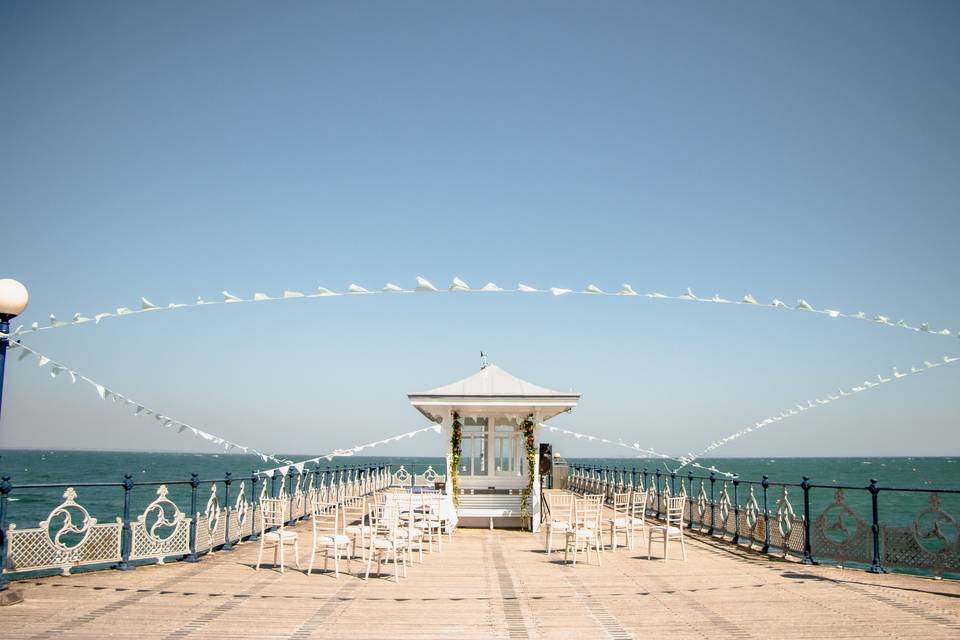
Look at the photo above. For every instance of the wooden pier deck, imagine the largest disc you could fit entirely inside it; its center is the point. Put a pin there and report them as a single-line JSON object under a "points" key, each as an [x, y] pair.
{"points": [[491, 584]]}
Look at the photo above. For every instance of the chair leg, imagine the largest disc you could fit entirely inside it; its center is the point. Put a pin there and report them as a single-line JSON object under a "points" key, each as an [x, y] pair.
{"points": [[280, 548], [683, 550], [649, 544], [366, 576], [665, 547], [260, 554]]}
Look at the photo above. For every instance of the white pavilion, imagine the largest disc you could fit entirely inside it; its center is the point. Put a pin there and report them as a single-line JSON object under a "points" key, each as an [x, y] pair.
{"points": [[492, 405]]}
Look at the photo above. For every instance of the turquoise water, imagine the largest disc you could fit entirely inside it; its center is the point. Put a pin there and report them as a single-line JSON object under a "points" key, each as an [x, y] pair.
{"points": [[62, 468]]}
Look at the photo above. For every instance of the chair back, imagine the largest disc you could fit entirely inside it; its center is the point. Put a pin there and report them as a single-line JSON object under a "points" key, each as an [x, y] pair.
{"points": [[586, 511], [273, 513], [384, 518], [560, 506], [354, 510], [638, 506], [621, 505], [408, 503], [675, 511], [430, 501], [325, 518]]}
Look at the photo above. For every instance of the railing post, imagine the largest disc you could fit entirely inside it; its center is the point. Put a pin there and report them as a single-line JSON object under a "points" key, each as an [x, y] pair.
{"points": [[690, 498], [254, 479], [304, 475], [807, 548], [658, 494], [227, 479], [633, 478], [293, 476], [765, 483], [646, 487], [126, 537], [673, 483], [273, 485], [736, 510], [194, 485], [877, 565], [5, 488], [713, 504]]}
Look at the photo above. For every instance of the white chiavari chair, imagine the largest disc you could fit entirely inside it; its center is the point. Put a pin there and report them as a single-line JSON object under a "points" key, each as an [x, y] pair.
{"points": [[619, 522], [273, 512], [355, 524], [561, 516], [387, 539], [327, 536], [429, 518], [638, 517], [671, 529], [414, 529], [585, 532]]}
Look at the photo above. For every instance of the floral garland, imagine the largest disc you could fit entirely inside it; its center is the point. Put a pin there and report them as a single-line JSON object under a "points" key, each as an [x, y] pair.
{"points": [[456, 438], [531, 445]]}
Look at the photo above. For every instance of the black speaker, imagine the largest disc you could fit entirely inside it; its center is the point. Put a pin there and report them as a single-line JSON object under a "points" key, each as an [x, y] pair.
{"points": [[546, 458]]}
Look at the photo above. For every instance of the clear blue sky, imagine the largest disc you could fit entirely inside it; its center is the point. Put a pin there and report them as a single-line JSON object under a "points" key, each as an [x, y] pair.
{"points": [[784, 149]]}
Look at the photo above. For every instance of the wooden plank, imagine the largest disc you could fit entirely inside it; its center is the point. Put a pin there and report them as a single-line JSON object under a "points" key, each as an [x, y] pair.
{"points": [[485, 584]]}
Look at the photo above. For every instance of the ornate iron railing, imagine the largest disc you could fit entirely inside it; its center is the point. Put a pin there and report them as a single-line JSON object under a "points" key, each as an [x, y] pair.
{"points": [[761, 516], [221, 513]]}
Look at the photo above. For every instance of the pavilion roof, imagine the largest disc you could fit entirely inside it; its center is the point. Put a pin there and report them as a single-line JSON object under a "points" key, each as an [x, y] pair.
{"points": [[493, 388]]}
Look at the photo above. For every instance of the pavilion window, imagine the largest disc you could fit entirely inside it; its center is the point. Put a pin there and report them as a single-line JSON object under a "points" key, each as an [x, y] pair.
{"points": [[473, 460], [507, 450]]}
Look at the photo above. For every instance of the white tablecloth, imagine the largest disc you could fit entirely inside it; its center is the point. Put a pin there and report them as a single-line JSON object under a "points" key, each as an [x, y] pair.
{"points": [[402, 502]]}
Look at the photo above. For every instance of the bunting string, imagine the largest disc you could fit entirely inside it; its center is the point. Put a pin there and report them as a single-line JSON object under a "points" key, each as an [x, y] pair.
{"points": [[165, 421], [336, 453], [635, 447], [458, 286], [139, 409], [799, 408]]}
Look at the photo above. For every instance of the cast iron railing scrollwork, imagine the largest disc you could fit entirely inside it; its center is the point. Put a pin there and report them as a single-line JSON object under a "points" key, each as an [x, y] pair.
{"points": [[161, 531], [839, 533], [930, 541], [67, 538], [724, 511]]}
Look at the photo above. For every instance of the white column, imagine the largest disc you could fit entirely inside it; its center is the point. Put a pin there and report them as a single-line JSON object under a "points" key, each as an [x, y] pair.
{"points": [[446, 432], [535, 494]]}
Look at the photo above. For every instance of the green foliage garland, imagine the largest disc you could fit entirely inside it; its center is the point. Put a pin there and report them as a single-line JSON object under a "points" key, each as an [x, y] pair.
{"points": [[456, 438], [530, 443]]}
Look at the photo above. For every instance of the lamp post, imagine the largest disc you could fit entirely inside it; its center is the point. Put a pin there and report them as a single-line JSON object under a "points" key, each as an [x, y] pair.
{"points": [[13, 300]]}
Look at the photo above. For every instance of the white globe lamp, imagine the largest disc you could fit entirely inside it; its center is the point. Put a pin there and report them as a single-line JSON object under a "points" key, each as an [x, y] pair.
{"points": [[13, 298]]}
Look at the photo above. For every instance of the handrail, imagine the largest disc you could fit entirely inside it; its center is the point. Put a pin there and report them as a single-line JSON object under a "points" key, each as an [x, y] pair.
{"points": [[227, 518], [760, 515]]}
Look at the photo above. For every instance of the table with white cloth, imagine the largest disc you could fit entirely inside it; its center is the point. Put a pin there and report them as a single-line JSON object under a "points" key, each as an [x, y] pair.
{"points": [[401, 501]]}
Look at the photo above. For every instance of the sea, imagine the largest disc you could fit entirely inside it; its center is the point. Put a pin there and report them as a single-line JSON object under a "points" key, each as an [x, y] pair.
{"points": [[96, 476]]}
